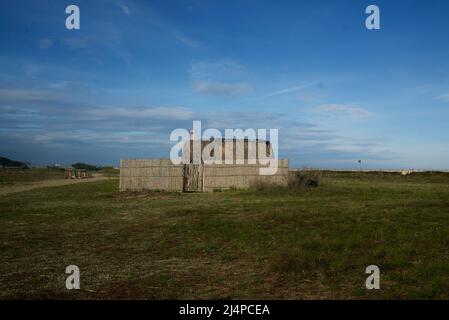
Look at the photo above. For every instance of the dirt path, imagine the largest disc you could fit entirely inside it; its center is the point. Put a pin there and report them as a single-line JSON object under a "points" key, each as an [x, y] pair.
{"points": [[47, 183]]}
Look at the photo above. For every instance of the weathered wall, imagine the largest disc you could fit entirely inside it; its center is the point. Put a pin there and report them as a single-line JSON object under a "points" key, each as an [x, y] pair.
{"points": [[241, 176], [150, 175], [163, 175]]}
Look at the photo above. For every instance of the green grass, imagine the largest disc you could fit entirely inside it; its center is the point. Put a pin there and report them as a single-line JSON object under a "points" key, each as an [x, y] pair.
{"points": [[109, 172], [22, 176], [10, 177], [276, 244]]}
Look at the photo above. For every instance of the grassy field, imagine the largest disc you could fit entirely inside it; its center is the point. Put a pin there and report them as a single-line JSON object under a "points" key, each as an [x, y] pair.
{"points": [[9, 177], [274, 244], [20, 176]]}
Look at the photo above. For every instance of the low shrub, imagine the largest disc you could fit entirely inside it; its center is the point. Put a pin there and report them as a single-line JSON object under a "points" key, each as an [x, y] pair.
{"points": [[297, 181], [304, 179]]}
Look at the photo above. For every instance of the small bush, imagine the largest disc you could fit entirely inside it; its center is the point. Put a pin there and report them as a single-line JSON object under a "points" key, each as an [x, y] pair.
{"points": [[304, 179], [297, 180]]}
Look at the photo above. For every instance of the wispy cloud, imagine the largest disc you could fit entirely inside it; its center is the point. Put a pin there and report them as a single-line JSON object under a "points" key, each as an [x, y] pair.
{"points": [[76, 43], [222, 88], [219, 77], [113, 126], [147, 128], [7, 109], [438, 91], [118, 138], [125, 9], [187, 41], [175, 113], [425, 89], [443, 97], [216, 69], [31, 69], [344, 110], [304, 143], [288, 90], [26, 95], [45, 43]]}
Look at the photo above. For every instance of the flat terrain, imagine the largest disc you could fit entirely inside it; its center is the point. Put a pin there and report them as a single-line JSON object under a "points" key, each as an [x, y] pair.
{"points": [[46, 183], [19, 180], [273, 244], [11, 177]]}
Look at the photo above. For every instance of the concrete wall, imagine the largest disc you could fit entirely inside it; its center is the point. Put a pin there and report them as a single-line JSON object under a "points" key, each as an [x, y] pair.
{"points": [[163, 175]]}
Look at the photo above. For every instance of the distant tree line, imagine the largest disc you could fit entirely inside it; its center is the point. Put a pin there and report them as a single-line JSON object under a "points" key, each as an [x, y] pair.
{"points": [[8, 163], [89, 167]]}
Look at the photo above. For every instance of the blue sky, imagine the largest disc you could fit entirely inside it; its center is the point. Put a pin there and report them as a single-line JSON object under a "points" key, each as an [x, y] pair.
{"points": [[136, 70]]}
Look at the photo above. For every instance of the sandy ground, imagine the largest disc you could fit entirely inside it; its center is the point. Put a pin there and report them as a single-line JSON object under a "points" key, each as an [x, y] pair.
{"points": [[47, 183]]}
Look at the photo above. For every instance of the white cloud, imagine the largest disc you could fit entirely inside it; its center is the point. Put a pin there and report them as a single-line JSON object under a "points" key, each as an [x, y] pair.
{"points": [[220, 77], [217, 70], [119, 138], [222, 88], [438, 91], [443, 97], [344, 110], [288, 90], [173, 113], [25, 94], [125, 9]]}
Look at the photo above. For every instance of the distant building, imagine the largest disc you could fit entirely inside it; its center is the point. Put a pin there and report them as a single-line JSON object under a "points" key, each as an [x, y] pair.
{"points": [[190, 175]]}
